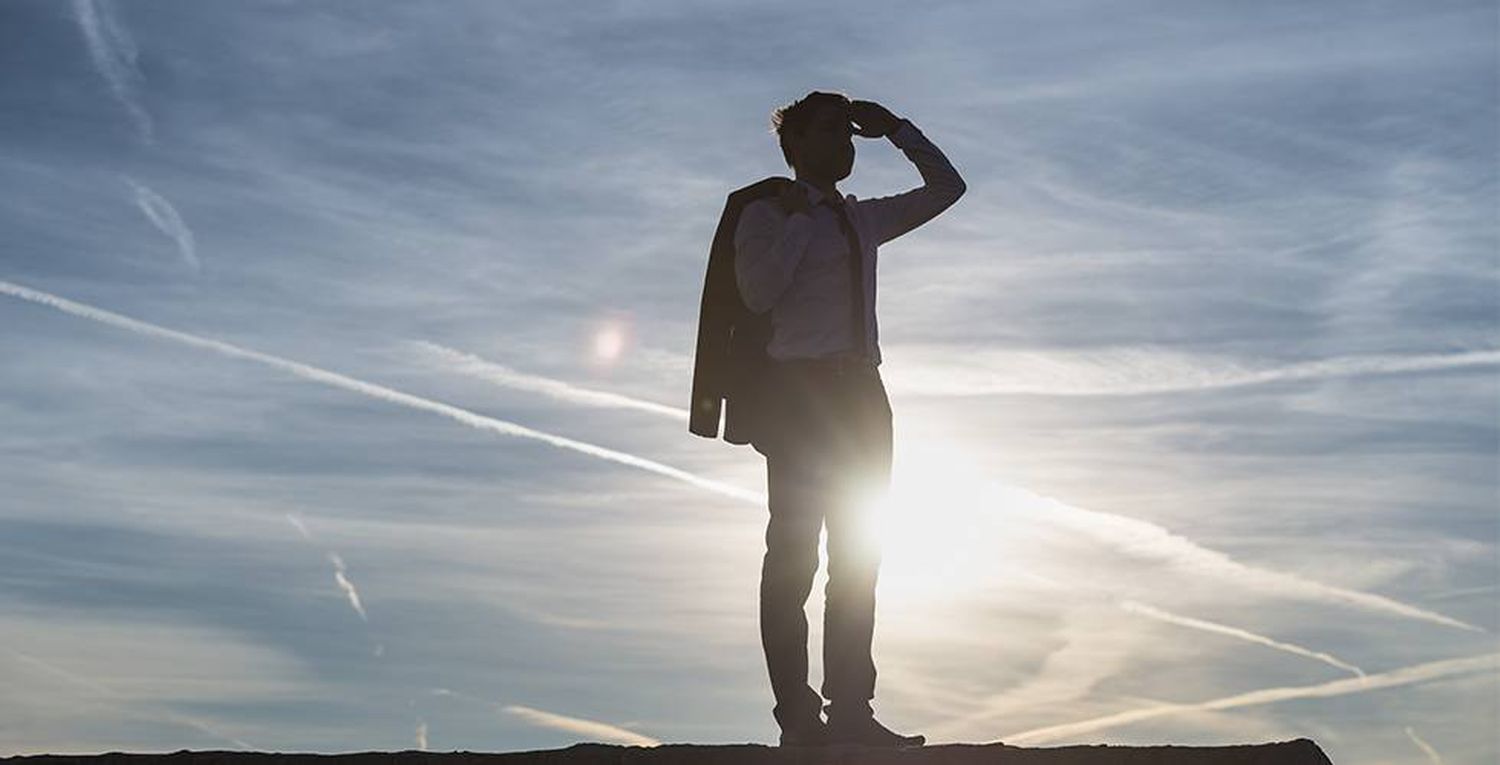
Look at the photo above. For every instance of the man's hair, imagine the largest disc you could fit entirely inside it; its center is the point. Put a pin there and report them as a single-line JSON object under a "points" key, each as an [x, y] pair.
{"points": [[794, 118]]}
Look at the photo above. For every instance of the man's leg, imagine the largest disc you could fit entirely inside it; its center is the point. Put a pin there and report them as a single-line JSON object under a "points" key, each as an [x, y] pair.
{"points": [[791, 561], [854, 552]]}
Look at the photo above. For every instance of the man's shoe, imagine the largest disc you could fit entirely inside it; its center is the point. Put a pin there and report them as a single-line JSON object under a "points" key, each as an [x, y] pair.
{"points": [[867, 732], [812, 733]]}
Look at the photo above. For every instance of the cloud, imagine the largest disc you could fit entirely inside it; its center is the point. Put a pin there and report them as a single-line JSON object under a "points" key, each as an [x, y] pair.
{"points": [[1147, 541], [1093, 649], [422, 735], [381, 392], [164, 217], [299, 525], [347, 586], [125, 702], [340, 574], [474, 366], [1223, 629], [1432, 755], [1393, 678], [1138, 538], [591, 728], [1118, 371], [1130, 535], [114, 52]]}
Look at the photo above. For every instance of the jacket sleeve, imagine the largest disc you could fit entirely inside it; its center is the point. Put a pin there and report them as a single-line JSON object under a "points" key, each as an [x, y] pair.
{"points": [[941, 186], [768, 245]]}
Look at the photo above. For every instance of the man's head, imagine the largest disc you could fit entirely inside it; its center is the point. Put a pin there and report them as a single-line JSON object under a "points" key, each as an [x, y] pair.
{"points": [[817, 136]]}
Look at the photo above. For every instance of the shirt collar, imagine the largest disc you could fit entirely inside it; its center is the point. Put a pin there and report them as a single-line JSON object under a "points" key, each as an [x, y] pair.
{"points": [[815, 196]]}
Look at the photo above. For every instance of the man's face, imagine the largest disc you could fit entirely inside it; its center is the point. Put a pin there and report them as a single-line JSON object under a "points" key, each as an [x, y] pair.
{"points": [[826, 150]]}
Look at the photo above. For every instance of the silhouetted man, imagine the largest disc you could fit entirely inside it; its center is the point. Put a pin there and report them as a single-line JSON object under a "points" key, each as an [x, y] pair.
{"points": [[808, 255]]}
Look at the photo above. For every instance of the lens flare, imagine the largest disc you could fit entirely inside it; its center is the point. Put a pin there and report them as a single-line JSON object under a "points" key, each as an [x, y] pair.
{"points": [[609, 342]]}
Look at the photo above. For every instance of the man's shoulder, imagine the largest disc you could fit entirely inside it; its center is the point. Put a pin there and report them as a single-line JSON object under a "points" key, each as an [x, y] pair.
{"points": [[762, 208]]}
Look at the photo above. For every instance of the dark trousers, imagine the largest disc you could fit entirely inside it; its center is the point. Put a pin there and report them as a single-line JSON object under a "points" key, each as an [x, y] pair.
{"points": [[826, 437]]}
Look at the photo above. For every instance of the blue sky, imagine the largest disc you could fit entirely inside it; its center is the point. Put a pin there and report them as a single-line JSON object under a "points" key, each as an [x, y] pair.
{"points": [[347, 345]]}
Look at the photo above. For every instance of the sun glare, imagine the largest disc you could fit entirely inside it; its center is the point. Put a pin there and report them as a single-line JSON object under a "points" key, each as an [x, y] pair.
{"points": [[935, 525]]}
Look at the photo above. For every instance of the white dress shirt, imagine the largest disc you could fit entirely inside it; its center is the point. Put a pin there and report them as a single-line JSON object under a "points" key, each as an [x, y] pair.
{"points": [[796, 266]]}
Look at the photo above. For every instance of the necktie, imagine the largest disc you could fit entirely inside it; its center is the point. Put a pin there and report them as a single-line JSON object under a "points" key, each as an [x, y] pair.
{"points": [[856, 278]]}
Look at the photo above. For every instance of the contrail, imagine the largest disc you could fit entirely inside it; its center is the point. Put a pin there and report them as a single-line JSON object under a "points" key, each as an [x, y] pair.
{"points": [[1130, 535], [1148, 541], [1127, 534], [579, 725], [340, 574], [299, 525], [381, 392], [114, 53], [1426, 748], [346, 585], [164, 217], [130, 704], [474, 366], [1134, 372], [1397, 677], [591, 728], [1223, 629]]}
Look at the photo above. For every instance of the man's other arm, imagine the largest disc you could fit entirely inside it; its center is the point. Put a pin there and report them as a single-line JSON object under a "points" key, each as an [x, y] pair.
{"points": [[768, 246], [941, 186]]}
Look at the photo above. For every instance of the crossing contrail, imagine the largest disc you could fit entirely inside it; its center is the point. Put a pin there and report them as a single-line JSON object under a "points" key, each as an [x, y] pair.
{"points": [[1143, 371], [336, 380], [1147, 541], [114, 52], [1243, 634], [1396, 677], [590, 728], [499, 374], [1130, 535]]}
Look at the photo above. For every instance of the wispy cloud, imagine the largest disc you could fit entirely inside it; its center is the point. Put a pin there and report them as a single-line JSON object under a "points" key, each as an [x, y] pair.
{"points": [[1432, 755], [128, 703], [1128, 534], [164, 217], [591, 728], [340, 574], [474, 366], [114, 53], [1131, 535], [1148, 541], [1137, 607], [340, 577], [1136, 371], [381, 392], [299, 526], [1393, 678]]}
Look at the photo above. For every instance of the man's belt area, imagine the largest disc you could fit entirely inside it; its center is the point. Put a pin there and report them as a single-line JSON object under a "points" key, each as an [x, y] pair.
{"points": [[836, 365]]}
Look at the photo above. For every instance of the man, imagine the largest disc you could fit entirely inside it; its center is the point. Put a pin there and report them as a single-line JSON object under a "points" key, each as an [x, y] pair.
{"points": [[807, 256]]}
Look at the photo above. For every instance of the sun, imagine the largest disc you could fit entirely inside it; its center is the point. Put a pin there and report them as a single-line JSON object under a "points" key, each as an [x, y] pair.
{"points": [[936, 525]]}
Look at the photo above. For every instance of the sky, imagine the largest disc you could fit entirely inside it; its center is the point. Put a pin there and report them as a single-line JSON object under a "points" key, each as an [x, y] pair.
{"points": [[347, 348]]}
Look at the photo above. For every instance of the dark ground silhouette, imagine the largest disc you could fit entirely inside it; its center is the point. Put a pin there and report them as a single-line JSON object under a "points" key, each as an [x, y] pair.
{"points": [[1296, 752]]}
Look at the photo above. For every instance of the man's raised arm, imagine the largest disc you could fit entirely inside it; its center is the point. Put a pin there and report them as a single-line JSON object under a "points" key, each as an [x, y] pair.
{"points": [[941, 186]]}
